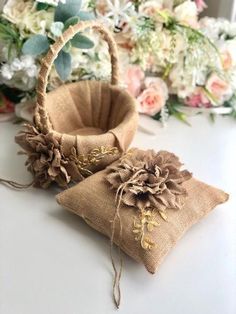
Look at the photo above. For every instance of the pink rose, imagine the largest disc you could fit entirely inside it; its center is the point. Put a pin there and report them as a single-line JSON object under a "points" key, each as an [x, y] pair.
{"points": [[201, 5], [154, 97], [198, 99], [133, 79], [218, 88]]}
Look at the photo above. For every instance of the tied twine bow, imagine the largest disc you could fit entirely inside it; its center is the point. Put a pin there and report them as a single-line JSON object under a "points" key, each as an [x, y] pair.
{"points": [[149, 182]]}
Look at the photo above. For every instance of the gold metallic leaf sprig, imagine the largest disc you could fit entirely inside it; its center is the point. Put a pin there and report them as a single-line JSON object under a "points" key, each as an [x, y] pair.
{"points": [[83, 162]]}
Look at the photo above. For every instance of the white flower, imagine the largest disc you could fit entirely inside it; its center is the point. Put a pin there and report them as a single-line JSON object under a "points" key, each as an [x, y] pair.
{"points": [[119, 11], [32, 71], [20, 74], [6, 72], [181, 79], [16, 65], [27, 61], [187, 13]]}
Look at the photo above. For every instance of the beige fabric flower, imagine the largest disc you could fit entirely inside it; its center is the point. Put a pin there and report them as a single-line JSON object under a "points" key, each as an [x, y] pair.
{"points": [[45, 159], [146, 179]]}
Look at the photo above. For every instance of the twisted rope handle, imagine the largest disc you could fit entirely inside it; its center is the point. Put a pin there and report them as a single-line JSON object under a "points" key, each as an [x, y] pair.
{"points": [[41, 115]]}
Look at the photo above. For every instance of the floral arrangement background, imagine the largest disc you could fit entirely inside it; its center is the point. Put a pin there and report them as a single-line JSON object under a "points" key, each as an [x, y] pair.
{"points": [[172, 61]]}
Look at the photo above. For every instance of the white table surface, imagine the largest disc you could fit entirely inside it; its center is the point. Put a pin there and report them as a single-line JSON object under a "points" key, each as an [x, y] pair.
{"points": [[51, 262]]}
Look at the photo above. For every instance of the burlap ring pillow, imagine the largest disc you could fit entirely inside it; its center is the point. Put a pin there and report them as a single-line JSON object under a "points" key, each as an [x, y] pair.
{"points": [[144, 202], [81, 127]]}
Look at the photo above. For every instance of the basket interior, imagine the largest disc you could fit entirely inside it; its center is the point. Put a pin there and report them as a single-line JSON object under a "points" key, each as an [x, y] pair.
{"points": [[88, 107]]}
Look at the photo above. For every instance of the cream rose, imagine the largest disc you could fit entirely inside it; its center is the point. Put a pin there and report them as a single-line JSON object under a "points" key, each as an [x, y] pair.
{"points": [[24, 14], [187, 13], [150, 8], [154, 97], [220, 89]]}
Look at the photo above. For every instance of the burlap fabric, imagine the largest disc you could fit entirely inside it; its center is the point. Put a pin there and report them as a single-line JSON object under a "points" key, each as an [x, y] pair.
{"points": [[94, 201], [80, 116]]}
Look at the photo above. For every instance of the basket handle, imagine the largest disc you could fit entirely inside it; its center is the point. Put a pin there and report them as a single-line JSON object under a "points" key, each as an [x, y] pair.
{"points": [[41, 115]]}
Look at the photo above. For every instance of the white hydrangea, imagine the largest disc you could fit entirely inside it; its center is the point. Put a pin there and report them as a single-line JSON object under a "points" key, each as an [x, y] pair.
{"points": [[95, 62], [21, 73]]}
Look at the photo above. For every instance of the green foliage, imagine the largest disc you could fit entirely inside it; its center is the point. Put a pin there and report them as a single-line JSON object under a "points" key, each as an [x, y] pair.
{"points": [[42, 6], [67, 47], [174, 108], [66, 14], [82, 42], [13, 95], [63, 64], [66, 10], [232, 104], [71, 21], [84, 16], [9, 34], [36, 45]]}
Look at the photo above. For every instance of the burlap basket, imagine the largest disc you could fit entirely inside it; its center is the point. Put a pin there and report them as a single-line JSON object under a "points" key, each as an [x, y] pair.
{"points": [[80, 127]]}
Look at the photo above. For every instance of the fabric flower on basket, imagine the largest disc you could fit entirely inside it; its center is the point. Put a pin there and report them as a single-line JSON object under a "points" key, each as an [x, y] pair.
{"points": [[45, 159]]}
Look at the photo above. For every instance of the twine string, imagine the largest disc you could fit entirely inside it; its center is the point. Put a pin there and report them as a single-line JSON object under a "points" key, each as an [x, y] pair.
{"points": [[16, 185], [118, 272]]}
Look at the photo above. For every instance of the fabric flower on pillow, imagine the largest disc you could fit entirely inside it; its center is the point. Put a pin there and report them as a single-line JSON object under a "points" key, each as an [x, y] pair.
{"points": [[146, 179]]}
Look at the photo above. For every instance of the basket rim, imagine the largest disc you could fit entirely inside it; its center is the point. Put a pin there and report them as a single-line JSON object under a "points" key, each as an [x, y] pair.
{"points": [[133, 110]]}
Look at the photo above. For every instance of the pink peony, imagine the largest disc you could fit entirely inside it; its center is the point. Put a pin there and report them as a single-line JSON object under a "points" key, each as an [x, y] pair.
{"points": [[133, 79], [201, 5], [198, 99], [219, 89], [154, 97]]}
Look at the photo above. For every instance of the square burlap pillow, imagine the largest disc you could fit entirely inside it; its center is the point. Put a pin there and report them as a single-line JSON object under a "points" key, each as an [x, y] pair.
{"points": [[147, 234]]}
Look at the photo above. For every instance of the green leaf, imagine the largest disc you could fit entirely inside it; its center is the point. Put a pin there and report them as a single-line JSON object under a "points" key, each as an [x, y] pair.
{"points": [[181, 117], [212, 117], [67, 47], [36, 45], [83, 15], [63, 64], [71, 21], [66, 10], [8, 31], [42, 6], [57, 28], [82, 42]]}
